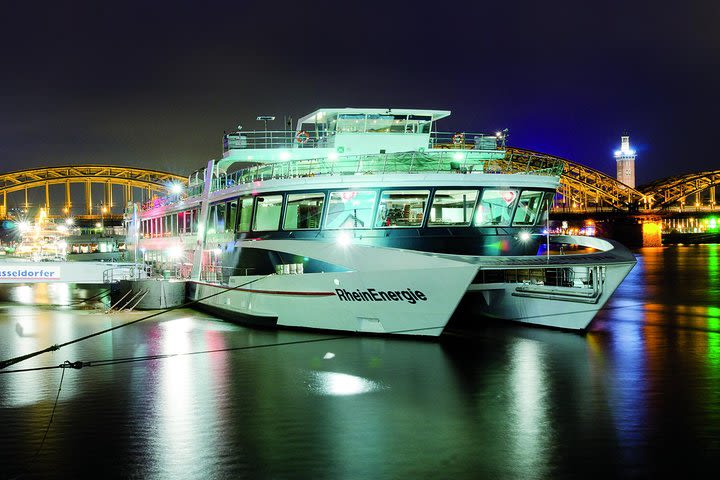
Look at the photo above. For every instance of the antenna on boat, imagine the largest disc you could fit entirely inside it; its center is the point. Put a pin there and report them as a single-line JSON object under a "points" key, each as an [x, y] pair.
{"points": [[265, 118], [547, 228]]}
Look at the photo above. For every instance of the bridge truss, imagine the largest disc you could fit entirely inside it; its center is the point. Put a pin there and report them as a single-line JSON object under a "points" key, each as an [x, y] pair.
{"points": [[584, 189], [698, 188], [150, 181]]}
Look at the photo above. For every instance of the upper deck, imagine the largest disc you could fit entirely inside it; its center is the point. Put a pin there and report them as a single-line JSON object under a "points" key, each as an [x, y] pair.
{"points": [[336, 132]]}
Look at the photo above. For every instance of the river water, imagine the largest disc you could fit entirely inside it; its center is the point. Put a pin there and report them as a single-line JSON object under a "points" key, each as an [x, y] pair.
{"points": [[636, 397]]}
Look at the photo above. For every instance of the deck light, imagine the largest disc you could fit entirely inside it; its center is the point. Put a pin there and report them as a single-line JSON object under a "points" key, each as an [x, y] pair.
{"points": [[176, 188], [69, 221], [284, 155], [524, 236], [344, 239], [333, 156]]}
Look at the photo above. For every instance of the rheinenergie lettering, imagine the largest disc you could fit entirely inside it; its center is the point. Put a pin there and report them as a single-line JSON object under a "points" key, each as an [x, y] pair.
{"points": [[374, 295]]}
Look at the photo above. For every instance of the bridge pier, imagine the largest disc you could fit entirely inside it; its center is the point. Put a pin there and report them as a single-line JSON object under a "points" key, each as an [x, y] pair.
{"points": [[633, 233]]}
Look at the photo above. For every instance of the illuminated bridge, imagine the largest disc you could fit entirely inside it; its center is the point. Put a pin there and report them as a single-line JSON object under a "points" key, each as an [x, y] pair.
{"points": [[82, 191], [90, 190], [586, 190]]}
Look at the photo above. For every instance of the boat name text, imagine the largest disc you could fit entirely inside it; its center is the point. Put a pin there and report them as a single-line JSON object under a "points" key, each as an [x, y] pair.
{"points": [[373, 295]]}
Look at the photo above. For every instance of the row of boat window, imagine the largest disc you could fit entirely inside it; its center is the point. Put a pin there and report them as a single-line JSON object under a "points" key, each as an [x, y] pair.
{"points": [[363, 209]]}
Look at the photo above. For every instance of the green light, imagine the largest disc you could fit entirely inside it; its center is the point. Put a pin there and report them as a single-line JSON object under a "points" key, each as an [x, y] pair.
{"points": [[713, 313], [712, 224]]}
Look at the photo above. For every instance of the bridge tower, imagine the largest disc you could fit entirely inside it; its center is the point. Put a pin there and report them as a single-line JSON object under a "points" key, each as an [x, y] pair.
{"points": [[625, 158]]}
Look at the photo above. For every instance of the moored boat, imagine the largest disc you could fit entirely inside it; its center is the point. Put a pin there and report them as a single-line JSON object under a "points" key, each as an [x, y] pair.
{"points": [[366, 220]]}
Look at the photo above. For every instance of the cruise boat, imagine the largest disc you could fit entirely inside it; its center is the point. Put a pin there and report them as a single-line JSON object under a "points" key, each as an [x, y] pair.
{"points": [[368, 220]]}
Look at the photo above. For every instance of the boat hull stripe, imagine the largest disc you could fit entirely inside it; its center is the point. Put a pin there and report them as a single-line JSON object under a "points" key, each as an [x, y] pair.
{"points": [[271, 292]]}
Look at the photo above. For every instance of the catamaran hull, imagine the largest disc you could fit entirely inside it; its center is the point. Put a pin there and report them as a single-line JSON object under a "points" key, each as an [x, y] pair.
{"points": [[404, 292], [542, 306], [409, 302]]}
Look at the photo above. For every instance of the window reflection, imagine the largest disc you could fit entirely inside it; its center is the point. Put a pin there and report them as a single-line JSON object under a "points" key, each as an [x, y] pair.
{"points": [[496, 207], [452, 207], [350, 209], [303, 211], [402, 208]]}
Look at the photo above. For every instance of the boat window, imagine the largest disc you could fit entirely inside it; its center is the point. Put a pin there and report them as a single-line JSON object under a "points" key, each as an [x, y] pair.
{"points": [[216, 218], [496, 207], [350, 209], [303, 211], [220, 217], [194, 220], [267, 213], [350, 122], [452, 207], [418, 124], [384, 123], [547, 201], [402, 208], [244, 214], [231, 213], [528, 207]]}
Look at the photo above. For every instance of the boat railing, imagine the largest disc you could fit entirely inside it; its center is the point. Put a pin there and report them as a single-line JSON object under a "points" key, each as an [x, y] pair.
{"points": [[264, 139], [435, 161], [467, 140]]}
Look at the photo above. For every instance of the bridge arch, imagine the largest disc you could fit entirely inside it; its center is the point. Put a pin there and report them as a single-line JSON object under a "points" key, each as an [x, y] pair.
{"points": [[664, 193], [129, 178], [586, 189]]}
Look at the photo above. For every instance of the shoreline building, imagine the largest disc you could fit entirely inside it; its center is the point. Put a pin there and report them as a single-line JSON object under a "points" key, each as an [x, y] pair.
{"points": [[625, 158]]}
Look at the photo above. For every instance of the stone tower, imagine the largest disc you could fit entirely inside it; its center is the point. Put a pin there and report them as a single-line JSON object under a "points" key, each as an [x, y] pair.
{"points": [[625, 158]]}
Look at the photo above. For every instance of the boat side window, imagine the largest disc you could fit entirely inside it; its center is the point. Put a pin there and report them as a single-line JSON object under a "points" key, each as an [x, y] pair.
{"points": [[244, 214], [452, 207], [384, 123], [267, 212], [220, 217], [303, 211], [418, 124], [350, 209], [402, 208], [212, 219], [528, 207], [180, 222], [194, 220], [495, 208], [350, 123], [231, 212], [547, 201]]}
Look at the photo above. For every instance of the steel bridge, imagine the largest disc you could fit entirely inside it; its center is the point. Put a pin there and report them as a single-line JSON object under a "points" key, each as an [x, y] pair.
{"points": [[684, 193], [586, 190], [93, 177], [582, 189]]}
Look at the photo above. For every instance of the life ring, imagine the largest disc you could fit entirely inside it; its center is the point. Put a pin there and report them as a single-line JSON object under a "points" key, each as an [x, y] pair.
{"points": [[458, 138], [302, 137]]}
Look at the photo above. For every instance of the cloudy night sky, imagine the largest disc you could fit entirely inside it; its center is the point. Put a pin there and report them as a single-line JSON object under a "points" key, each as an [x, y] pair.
{"points": [[156, 83]]}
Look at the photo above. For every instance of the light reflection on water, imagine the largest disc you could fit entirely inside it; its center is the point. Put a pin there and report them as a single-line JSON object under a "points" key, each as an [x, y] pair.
{"points": [[637, 396]]}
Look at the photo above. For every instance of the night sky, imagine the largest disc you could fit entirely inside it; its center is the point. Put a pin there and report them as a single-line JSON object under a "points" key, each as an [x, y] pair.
{"points": [[156, 83]]}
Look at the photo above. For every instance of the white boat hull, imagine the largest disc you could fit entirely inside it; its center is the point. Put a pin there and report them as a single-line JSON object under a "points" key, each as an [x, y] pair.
{"points": [[391, 291]]}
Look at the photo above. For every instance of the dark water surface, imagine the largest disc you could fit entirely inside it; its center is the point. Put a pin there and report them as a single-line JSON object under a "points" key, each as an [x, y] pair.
{"points": [[637, 397]]}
